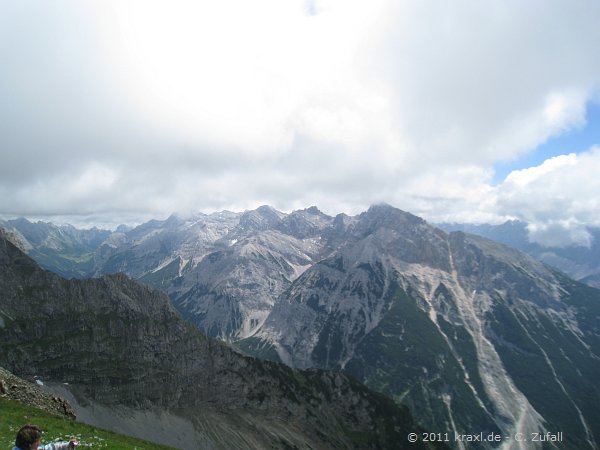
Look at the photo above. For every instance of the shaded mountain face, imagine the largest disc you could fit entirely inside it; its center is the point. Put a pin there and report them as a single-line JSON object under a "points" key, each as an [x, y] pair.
{"points": [[471, 334], [128, 356], [578, 262]]}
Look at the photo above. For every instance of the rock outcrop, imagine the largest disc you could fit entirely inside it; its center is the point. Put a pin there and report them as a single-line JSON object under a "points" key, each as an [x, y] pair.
{"points": [[17, 389]]}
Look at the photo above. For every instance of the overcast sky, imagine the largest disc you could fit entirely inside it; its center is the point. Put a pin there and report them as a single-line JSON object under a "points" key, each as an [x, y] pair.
{"points": [[117, 111]]}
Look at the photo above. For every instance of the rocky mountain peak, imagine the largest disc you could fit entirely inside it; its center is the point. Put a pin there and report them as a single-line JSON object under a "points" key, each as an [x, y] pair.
{"points": [[262, 218], [386, 216], [313, 210], [123, 228], [305, 223]]}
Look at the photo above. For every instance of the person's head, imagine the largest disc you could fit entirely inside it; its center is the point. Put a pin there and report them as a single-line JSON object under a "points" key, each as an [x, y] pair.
{"points": [[29, 437]]}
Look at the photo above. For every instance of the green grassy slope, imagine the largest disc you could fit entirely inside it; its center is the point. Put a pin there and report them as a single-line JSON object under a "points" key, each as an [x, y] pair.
{"points": [[14, 415]]}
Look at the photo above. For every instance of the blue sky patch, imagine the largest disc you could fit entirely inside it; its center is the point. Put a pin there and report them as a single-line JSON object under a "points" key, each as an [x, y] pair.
{"points": [[575, 140]]}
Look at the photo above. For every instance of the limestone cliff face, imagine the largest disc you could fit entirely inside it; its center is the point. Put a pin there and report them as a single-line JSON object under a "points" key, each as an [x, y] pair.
{"points": [[120, 344], [471, 334]]}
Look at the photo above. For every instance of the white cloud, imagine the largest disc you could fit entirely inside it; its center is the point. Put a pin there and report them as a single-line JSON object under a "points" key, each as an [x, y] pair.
{"points": [[246, 76], [146, 107], [559, 198], [474, 81], [559, 233], [532, 175]]}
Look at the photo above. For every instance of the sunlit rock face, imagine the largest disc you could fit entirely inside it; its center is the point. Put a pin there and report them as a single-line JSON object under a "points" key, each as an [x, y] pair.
{"points": [[471, 334]]}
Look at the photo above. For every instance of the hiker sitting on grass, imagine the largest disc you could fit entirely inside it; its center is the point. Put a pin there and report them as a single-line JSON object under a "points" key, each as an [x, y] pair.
{"points": [[30, 438]]}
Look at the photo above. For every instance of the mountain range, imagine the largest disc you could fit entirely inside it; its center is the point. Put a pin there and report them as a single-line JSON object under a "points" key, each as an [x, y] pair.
{"points": [[472, 335], [125, 360]]}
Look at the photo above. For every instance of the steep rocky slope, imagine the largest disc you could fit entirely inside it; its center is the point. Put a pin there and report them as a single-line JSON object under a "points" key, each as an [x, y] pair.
{"points": [[19, 390], [223, 271], [125, 353], [473, 335]]}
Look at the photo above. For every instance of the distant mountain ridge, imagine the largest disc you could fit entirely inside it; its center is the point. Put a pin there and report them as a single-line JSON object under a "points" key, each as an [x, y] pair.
{"points": [[75, 253], [64, 249], [579, 262], [130, 361]]}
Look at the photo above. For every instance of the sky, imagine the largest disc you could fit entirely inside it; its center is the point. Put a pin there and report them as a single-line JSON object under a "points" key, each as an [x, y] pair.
{"points": [[118, 111]]}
